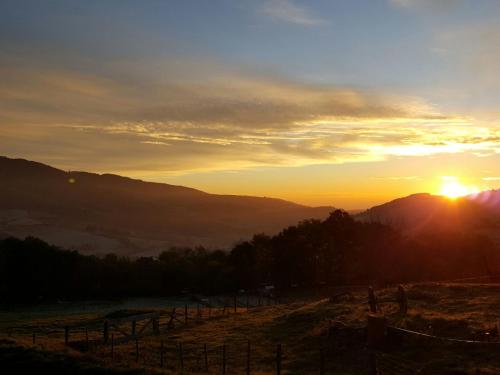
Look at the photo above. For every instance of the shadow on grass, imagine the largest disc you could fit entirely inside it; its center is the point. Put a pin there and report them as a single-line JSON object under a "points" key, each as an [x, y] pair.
{"points": [[17, 359]]}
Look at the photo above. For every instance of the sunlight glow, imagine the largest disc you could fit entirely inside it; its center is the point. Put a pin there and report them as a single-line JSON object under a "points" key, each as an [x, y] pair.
{"points": [[452, 188]]}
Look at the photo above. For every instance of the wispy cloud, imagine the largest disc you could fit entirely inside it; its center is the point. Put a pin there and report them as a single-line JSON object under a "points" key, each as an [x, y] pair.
{"points": [[399, 178], [287, 11], [427, 4], [230, 121]]}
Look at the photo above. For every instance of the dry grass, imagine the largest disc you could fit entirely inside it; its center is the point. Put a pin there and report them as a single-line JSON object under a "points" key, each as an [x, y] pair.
{"points": [[449, 310]]}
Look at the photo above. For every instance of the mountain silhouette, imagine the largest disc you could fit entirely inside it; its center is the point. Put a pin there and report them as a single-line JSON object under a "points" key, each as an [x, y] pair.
{"points": [[95, 213], [424, 212]]}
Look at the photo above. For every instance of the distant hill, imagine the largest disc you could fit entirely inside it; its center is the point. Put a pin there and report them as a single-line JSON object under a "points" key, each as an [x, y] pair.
{"points": [[105, 213], [418, 213]]}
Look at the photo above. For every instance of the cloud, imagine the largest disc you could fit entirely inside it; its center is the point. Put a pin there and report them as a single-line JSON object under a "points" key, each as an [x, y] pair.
{"points": [[221, 102], [216, 119], [287, 11], [399, 178], [441, 5]]}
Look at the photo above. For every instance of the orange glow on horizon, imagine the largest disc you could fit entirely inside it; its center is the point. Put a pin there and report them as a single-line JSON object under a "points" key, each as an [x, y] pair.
{"points": [[452, 188]]}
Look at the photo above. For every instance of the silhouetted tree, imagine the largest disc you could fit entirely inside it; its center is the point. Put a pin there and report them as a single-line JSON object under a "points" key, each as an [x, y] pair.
{"points": [[338, 250]]}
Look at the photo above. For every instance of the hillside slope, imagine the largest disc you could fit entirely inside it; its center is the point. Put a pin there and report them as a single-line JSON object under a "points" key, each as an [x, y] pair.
{"points": [[108, 213], [424, 212]]}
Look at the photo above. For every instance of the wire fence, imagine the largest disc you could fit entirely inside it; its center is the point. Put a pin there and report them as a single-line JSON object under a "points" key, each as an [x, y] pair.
{"points": [[188, 357], [142, 339]]}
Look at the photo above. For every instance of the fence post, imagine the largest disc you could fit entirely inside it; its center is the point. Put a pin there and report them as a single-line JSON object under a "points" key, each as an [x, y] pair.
{"points": [[156, 326], [136, 350], [66, 335], [162, 351], [402, 299], [373, 363], [372, 300], [224, 359], [205, 354], [87, 338], [376, 330], [278, 359], [181, 357], [321, 361], [248, 357], [105, 332], [134, 325]]}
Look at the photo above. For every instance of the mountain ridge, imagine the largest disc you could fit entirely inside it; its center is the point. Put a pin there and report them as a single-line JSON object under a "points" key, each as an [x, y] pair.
{"points": [[100, 213], [424, 212], [97, 213]]}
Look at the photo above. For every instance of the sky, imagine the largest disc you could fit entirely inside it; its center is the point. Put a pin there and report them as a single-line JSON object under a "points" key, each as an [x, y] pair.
{"points": [[348, 103]]}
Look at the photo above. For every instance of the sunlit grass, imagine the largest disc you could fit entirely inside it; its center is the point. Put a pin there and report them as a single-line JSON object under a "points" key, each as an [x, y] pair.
{"points": [[450, 310]]}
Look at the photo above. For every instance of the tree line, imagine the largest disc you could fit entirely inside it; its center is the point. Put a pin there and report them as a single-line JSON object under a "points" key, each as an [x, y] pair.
{"points": [[335, 251]]}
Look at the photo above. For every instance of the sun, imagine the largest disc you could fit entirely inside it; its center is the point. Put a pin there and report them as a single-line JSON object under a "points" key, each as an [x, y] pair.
{"points": [[452, 188]]}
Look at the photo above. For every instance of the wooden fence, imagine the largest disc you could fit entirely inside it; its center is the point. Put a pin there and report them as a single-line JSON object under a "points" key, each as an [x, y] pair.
{"points": [[186, 357], [133, 327]]}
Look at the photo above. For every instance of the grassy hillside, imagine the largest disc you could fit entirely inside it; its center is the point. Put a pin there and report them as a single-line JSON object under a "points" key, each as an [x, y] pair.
{"points": [[461, 311], [107, 213]]}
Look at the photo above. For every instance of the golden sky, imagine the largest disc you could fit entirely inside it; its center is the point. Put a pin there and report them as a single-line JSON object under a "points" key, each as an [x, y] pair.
{"points": [[314, 102]]}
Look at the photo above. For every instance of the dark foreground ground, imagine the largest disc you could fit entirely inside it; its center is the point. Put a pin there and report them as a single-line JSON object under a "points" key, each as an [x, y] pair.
{"points": [[16, 359], [328, 334]]}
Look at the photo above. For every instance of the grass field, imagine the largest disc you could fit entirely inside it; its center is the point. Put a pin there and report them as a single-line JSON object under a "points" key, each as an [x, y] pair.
{"points": [[306, 329]]}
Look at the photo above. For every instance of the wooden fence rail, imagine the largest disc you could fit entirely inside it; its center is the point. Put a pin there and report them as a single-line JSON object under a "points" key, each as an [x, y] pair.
{"points": [[140, 325]]}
